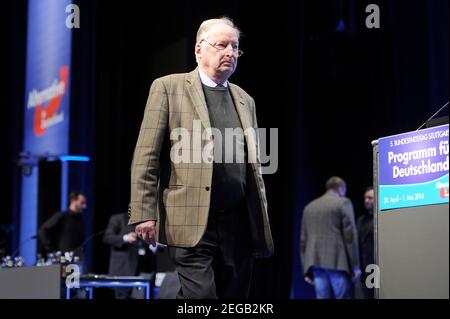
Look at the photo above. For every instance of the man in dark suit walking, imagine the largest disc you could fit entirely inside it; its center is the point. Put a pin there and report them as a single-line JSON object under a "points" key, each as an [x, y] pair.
{"points": [[329, 245], [129, 254]]}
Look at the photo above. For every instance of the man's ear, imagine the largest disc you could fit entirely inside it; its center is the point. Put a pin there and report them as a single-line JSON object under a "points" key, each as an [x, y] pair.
{"points": [[198, 51]]}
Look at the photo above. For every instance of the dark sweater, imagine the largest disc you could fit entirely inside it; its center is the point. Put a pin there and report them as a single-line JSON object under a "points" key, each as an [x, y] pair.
{"points": [[228, 184]]}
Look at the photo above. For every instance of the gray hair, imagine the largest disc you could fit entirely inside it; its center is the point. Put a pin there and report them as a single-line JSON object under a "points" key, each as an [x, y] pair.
{"points": [[207, 25]]}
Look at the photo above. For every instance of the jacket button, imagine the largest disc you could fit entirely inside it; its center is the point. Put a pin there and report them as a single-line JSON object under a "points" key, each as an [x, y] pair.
{"points": [[207, 188]]}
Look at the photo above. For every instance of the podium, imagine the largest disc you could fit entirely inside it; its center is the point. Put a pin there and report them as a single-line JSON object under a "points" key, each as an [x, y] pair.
{"points": [[49, 282], [411, 214], [31, 282]]}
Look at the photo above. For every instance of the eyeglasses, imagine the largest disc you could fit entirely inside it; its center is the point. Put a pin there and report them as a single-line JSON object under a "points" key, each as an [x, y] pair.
{"points": [[221, 47]]}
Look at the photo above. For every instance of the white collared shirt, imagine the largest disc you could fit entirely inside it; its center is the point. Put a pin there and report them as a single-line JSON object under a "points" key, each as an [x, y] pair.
{"points": [[206, 80]]}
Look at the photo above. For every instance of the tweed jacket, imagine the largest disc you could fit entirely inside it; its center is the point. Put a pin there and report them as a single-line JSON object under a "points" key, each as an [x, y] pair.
{"points": [[177, 193]]}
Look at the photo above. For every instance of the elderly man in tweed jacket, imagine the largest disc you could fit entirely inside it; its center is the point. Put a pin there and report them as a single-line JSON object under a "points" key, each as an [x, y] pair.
{"points": [[212, 214]]}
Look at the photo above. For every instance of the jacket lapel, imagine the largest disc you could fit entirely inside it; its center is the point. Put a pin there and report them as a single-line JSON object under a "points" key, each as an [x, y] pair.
{"points": [[245, 117], [241, 107], [195, 91]]}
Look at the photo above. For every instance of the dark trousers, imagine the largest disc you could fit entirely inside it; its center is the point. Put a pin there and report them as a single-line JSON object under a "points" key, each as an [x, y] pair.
{"points": [[220, 265]]}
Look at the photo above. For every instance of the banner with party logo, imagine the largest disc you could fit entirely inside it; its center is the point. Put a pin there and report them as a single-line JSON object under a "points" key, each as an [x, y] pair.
{"points": [[47, 103]]}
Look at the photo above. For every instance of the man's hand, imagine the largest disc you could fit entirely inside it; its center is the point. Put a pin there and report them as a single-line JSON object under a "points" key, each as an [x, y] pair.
{"points": [[309, 280], [147, 231], [131, 237]]}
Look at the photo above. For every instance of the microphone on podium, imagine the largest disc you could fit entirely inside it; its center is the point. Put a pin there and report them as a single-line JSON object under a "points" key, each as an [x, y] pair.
{"points": [[432, 117]]}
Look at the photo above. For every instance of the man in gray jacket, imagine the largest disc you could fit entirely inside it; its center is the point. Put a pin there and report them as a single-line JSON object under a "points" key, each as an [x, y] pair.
{"points": [[328, 244]]}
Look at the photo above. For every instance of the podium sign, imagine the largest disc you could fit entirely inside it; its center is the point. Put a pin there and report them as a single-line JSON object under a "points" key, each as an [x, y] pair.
{"points": [[413, 169]]}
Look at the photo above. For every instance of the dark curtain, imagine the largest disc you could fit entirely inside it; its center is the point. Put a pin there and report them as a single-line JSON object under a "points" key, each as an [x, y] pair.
{"points": [[13, 26]]}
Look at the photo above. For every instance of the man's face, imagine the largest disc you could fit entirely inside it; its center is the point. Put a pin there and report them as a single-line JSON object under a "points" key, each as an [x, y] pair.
{"points": [[218, 58], [368, 200], [79, 204]]}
